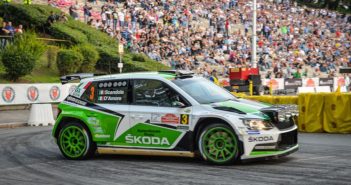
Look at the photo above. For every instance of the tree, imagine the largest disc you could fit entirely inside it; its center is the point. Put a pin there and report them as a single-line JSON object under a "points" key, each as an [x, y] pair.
{"points": [[19, 58]]}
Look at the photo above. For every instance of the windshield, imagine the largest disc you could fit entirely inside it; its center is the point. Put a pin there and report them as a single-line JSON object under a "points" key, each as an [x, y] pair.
{"points": [[203, 90]]}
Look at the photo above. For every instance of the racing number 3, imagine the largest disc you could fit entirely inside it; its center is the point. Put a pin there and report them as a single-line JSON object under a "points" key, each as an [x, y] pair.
{"points": [[185, 119]]}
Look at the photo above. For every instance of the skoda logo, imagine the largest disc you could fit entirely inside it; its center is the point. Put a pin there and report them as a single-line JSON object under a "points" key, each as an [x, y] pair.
{"points": [[8, 94]]}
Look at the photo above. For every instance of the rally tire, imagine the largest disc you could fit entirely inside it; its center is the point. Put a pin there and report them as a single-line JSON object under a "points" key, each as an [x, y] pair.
{"points": [[75, 141], [218, 144]]}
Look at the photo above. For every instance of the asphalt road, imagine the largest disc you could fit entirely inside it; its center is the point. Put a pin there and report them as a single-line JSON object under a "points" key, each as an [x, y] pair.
{"points": [[28, 155]]}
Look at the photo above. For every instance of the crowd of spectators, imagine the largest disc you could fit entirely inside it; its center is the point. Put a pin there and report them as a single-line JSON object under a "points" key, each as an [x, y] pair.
{"points": [[203, 35], [7, 32]]}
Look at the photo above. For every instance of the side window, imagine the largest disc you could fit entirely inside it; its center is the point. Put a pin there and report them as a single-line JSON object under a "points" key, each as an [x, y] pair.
{"points": [[112, 92], [155, 93], [90, 93]]}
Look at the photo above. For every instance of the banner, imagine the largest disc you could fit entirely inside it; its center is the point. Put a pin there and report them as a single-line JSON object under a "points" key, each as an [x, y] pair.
{"points": [[326, 82], [310, 82], [276, 83], [340, 81], [15, 94], [292, 84]]}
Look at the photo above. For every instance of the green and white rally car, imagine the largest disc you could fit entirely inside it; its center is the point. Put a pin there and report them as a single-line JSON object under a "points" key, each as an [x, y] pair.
{"points": [[170, 113]]}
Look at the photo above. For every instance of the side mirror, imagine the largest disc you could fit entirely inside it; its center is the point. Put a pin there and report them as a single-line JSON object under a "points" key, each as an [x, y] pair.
{"points": [[179, 104]]}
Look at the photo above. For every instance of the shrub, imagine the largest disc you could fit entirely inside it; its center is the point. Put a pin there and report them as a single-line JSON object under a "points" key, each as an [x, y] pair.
{"points": [[51, 54], [33, 16], [69, 61], [91, 56], [139, 57], [61, 31], [20, 57]]}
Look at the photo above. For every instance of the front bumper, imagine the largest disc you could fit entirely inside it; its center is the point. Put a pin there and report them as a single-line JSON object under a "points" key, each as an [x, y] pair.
{"points": [[273, 156], [270, 144]]}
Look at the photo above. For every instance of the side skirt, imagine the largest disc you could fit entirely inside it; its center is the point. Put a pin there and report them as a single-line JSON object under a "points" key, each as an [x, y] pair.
{"points": [[128, 151]]}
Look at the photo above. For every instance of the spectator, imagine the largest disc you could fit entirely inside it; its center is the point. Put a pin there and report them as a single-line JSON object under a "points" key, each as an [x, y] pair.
{"points": [[73, 11], [87, 13], [217, 34], [9, 29], [19, 29], [51, 19]]}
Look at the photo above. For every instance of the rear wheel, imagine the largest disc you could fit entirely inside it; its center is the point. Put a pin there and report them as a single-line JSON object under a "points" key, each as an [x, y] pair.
{"points": [[75, 141], [218, 144]]}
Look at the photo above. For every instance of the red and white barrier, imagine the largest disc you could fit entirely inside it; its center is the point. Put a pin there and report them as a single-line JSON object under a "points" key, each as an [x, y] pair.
{"points": [[17, 94], [39, 95]]}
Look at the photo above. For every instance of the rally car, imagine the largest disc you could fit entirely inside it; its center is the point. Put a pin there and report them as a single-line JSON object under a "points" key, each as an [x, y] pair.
{"points": [[169, 113]]}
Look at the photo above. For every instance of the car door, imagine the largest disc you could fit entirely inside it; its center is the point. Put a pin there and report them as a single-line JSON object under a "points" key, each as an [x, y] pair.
{"points": [[159, 116], [113, 97]]}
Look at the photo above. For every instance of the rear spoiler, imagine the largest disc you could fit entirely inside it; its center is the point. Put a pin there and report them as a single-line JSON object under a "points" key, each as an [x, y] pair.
{"points": [[78, 76]]}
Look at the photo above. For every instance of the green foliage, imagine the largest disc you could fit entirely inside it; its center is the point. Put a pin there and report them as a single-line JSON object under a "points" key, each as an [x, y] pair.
{"points": [[31, 16], [91, 56], [69, 61], [20, 57], [51, 54], [61, 31]]}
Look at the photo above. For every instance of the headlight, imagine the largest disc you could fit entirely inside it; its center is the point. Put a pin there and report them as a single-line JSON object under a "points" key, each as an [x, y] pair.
{"points": [[287, 111], [257, 124]]}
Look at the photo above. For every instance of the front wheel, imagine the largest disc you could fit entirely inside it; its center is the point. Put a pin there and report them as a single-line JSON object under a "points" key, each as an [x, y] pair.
{"points": [[75, 141], [218, 144]]}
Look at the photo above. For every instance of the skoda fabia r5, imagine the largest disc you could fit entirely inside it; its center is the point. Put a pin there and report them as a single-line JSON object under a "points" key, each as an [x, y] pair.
{"points": [[169, 113]]}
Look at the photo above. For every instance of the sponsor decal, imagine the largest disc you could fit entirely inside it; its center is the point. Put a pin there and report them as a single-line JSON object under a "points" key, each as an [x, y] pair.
{"points": [[93, 121], [75, 100], [74, 89], [187, 111], [32, 93], [8, 94], [253, 132], [259, 139], [146, 135], [146, 140], [102, 136], [55, 93], [183, 127], [156, 118], [112, 84], [170, 118]]}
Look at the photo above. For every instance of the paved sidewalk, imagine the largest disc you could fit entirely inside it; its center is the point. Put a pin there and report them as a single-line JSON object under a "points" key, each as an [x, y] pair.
{"points": [[15, 118]]}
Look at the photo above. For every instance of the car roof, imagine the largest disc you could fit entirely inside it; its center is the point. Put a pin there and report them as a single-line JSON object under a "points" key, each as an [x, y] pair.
{"points": [[165, 75]]}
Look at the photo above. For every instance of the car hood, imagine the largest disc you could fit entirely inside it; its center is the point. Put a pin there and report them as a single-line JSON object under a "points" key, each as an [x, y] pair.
{"points": [[242, 106]]}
